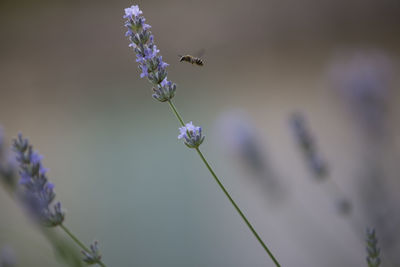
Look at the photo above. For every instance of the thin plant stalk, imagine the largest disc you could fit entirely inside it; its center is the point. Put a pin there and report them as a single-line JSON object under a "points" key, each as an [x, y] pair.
{"points": [[50, 235], [179, 117]]}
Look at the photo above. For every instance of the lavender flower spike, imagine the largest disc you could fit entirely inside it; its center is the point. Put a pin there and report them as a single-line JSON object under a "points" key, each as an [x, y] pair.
{"points": [[373, 258], [150, 62], [191, 135], [307, 143], [93, 256], [37, 193]]}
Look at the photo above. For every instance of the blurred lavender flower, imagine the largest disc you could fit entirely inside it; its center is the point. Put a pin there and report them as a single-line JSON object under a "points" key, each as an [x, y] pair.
{"points": [[191, 135], [363, 78], [7, 257], [316, 163], [37, 193], [239, 135], [240, 140], [94, 256], [150, 62], [308, 145], [373, 251]]}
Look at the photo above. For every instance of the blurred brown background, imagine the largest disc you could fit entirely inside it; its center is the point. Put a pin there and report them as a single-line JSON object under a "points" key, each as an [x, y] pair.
{"points": [[69, 81]]}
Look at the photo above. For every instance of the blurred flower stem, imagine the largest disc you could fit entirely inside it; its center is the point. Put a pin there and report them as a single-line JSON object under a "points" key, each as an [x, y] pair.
{"points": [[62, 249], [180, 119], [79, 243]]}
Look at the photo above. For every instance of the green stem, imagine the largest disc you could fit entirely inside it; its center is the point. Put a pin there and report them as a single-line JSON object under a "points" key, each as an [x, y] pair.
{"points": [[179, 117], [78, 242], [226, 192]]}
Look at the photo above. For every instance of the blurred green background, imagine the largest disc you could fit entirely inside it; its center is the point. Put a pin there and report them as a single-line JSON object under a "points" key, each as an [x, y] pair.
{"points": [[70, 83]]}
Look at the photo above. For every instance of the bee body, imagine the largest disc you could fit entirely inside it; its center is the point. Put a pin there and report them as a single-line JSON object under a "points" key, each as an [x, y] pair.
{"points": [[192, 60]]}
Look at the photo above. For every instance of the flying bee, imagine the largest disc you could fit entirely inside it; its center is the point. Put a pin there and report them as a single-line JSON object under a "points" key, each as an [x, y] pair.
{"points": [[193, 59]]}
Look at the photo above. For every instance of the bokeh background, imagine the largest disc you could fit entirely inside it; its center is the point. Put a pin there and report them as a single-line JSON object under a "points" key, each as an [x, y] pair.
{"points": [[69, 81]]}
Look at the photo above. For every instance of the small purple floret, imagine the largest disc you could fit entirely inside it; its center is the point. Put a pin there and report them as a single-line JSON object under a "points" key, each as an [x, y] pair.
{"points": [[191, 135]]}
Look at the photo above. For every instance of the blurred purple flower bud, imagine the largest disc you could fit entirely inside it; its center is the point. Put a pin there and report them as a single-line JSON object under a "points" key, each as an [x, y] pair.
{"points": [[363, 79], [94, 256], [308, 145]]}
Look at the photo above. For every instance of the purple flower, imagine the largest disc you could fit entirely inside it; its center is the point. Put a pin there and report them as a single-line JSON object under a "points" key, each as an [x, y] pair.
{"points": [[132, 11], [308, 145], [165, 82], [145, 71], [140, 59], [36, 192], [94, 255], [150, 53], [364, 80], [150, 61], [191, 135], [145, 26], [165, 91], [25, 178], [162, 64]]}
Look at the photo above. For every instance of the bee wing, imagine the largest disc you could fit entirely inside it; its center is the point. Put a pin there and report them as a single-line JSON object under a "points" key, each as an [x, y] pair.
{"points": [[200, 53]]}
